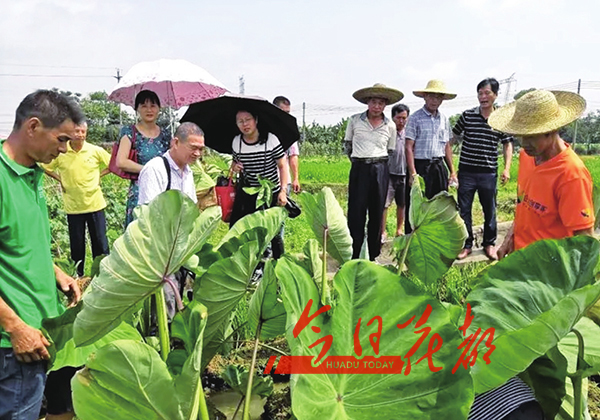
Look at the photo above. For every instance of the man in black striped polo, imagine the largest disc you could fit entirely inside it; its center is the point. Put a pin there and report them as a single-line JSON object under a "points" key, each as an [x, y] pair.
{"points": [[478, 165]]}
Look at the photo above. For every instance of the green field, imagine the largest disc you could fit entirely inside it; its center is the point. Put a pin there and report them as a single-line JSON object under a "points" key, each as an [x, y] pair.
{"points": [[315, 172]]}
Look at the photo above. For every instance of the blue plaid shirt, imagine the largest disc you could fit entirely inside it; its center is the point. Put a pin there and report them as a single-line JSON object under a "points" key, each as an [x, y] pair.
{"points": [[429, 133]]}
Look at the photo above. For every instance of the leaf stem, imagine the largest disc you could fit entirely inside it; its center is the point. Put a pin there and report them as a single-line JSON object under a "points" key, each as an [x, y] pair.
{"points": [[238, 407], [163, 329], [246, 415], [404, 253], [324, 269], [577, 379]]}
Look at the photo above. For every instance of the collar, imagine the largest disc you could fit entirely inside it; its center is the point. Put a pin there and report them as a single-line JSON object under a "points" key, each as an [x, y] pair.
{"points": [[84, 146], [429, 114], [174, 165], [20, 170], [363, 117]]}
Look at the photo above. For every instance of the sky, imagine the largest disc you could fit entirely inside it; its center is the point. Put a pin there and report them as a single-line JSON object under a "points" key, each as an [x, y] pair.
{"points": [[313, 52]]}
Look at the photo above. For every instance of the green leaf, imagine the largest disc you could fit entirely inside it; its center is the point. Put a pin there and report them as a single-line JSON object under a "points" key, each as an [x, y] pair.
{"points": [[438, 235], [546, 376], [596, 200], [266, 308], [359, 289], [237, 378], [532, 299], [167, 233], [189, 324], [569, 346], [270, 219], [125, 380], [324, 212]]}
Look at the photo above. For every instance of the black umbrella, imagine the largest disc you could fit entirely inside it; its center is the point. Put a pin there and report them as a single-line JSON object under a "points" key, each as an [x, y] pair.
{"points": [[216, 117]]}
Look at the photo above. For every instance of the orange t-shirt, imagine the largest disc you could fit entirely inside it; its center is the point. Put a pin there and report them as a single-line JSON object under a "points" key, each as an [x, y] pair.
{"points": [[554, 199]]}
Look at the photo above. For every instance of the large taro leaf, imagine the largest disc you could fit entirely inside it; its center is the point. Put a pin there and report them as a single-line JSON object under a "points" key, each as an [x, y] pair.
{"points": [[270, 219], [532, 299], [567, 409], [125, 380], [166, 234], [220, 289], [324, 212], [266, 308], [63, 351], [437, 238], [546, 376], [364, 290], [596, 200]]}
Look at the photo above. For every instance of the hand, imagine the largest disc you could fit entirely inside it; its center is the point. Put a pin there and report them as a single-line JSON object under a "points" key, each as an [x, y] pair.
{"points": [[237, 167], [69, 287], [411, 178], [296, 186], [453, 180], [28, 344], [507, 247], [282, 198], [62, 187], [505, 177]]}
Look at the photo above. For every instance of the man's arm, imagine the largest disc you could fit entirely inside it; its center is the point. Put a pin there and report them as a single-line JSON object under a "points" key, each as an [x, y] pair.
{"points": [[282, 165], [507, 151], [508, 245], [409, 146], [28, 344], [294, 170], [68, 285], [448, 158], [104, 172]]}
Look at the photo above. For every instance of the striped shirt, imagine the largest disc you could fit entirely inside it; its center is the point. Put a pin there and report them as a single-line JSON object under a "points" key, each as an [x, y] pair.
{"points": [[397, 162], [259, 159], [498, 402], [479, 151], [430, 133], [368, 141]]}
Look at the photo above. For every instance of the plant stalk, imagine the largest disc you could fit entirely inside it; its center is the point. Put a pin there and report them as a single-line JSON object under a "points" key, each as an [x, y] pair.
{"points": [[238, 407], [324, 270], [577, 379], [404, 254], [202, 403], [163, 329], [246, 415]]}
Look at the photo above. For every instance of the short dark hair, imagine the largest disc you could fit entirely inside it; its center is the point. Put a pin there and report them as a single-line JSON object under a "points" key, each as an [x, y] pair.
{"points": [[281, 100], [50, 107], [187, 129], [494, 85], [262, 134], [146, 95], [398, 108]]}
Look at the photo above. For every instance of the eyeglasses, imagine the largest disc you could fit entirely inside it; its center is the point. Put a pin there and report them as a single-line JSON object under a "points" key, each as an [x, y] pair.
{"points": [[244, 121]]}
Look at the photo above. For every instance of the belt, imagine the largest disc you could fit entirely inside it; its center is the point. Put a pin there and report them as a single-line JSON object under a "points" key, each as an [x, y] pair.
{"points": [[435, 159], [368, 161]]}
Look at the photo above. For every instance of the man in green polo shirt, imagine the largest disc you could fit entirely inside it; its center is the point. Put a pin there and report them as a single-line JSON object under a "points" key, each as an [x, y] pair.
{"points": [[45, 121]]}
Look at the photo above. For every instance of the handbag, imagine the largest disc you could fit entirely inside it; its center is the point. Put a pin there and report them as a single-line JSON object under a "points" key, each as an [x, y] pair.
{"points": [[114, 168]]}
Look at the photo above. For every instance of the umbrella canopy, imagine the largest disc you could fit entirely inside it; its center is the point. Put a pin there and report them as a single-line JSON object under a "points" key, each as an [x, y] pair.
{"points": [[176, 82], [217, 118]]}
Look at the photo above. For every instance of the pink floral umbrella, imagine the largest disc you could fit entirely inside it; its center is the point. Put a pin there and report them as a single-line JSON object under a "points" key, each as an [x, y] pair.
{"points": [[176, 82]]}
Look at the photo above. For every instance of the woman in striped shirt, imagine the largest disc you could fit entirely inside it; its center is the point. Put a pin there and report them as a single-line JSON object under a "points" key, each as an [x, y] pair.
{"points": [[257, 153]]}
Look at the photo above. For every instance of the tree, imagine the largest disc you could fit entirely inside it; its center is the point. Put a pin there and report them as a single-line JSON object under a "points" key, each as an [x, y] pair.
{"points": [[523, 92], [103, 119]]}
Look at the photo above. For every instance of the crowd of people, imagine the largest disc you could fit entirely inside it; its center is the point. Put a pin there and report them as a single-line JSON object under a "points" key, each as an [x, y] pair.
{"points": [[554, 198]]}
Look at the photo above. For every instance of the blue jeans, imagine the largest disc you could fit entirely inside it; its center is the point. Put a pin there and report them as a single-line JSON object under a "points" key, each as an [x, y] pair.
{"points": [[485, 185], [21, 387]]}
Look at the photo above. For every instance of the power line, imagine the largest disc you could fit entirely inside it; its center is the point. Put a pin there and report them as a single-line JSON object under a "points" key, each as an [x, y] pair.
{"points": [[52, 75], [55, 67]]}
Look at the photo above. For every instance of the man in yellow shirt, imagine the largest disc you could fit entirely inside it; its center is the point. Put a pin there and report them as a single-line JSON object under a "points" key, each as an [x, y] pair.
{"points": [[79, 173]]}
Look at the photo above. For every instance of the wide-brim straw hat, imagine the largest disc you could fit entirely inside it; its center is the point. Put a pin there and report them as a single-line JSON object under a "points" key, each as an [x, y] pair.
{"points": [[538, 112], [378, 90], [435, 86]]}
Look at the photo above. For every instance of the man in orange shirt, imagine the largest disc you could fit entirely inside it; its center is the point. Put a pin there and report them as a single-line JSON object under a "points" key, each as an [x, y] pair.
{"points": [[554, 191], [554, 188]]}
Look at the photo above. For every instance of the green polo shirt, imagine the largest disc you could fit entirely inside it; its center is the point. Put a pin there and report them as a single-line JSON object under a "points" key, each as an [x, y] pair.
{"points": [[27, 279]]}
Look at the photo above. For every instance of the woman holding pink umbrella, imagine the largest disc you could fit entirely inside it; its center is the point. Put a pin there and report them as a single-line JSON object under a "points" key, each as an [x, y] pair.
{"points": [[148, 139]]}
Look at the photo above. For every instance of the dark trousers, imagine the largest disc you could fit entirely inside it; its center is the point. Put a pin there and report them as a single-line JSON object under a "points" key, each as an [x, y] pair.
{"points": [[485, 185], [367, 191], [527, 411], [245, 204], [435, 175], [96, 224]]}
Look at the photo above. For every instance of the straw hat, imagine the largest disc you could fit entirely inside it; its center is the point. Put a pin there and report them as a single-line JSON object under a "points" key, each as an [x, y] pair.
{"points": [[435, 86], [538, 112], [378, 90]]}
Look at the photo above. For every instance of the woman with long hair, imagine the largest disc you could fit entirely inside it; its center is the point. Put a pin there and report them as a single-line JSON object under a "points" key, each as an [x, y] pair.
{"points": [[148, 138], [258, 153]]}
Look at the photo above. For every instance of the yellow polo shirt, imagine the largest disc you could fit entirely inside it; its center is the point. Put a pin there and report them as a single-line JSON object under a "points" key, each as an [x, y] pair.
{"points": [[80, 175]]}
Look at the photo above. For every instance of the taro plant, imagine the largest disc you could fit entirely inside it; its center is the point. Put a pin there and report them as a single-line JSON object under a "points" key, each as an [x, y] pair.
{"points": [[239, 379], [534, 300]]}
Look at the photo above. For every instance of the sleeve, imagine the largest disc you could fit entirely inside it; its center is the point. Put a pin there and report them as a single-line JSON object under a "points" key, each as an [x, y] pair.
{"points": [[507, 138], [125, 131], [103, 157], [459, 127], [166, 139], [393, 136], [411, 129], [275, 147], [349, 130], [294, 150], [149, 182], [50, 166], [575, 203]]}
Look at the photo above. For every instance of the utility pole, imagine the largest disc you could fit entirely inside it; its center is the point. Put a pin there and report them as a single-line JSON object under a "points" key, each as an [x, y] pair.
{"points": [[119, 77], [576, 121], [303, 121], [242, 87], [508, 82]]}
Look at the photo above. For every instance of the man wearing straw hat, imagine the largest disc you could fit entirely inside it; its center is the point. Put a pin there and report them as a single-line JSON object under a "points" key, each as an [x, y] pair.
{"points": [[370, 138], [428, 140], [554, 200]]}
